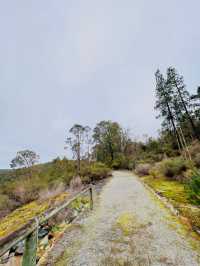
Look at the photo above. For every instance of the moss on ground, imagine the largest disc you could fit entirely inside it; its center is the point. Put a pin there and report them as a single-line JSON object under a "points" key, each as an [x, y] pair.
{"points": [[22, 215], [173, 190], [127, 223]]}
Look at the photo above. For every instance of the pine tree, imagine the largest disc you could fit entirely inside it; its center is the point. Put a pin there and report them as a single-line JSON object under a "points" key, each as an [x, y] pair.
{"points": [[164, 98], [181, 99]]}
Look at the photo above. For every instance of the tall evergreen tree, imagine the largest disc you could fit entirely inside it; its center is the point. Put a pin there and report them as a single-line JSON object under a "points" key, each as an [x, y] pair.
{"points": [[195, 98], [181, 98], [163, 104]]}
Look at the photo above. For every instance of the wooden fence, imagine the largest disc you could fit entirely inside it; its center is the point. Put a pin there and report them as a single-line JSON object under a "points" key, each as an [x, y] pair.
{"points": [[29, 232]]}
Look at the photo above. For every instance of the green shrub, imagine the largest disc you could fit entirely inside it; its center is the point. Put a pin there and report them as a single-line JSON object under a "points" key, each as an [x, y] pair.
{"points": [[197, 160], [86, 179], [194, 148], [46, 180], [174, 168], [143, 169], [193, 189], [99, 171], [155, 171], [192, 213], [121, 162], [25, 190]]}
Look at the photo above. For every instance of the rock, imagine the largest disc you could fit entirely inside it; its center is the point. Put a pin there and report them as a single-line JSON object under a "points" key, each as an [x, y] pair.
{"points": [[42, 233], [20, 249]]}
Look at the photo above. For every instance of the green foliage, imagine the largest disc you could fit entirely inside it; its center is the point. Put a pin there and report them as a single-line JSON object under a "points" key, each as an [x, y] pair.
{"points": [[46, 180], [194, 149], [121, 162], [143, 169], [113, 145], [192, 213], [24, 158], [98, 171], [173, 168], [79, 137], [193, 189]]}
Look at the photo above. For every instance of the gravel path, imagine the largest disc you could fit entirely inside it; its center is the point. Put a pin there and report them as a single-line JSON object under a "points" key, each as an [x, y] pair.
{"points": [[129, 226]]}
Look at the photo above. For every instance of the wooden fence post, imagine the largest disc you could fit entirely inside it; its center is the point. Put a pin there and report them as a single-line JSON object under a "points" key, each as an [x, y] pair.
{"points": [[91, 199], [29, 232], [30, 252]]}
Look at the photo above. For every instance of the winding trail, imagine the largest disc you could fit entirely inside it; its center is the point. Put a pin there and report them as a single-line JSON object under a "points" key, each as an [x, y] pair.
{"points": [[129, 226]]}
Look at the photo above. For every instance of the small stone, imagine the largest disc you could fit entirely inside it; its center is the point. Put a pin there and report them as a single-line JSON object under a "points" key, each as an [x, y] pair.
{"points": [[42, 233], [20, 249]]}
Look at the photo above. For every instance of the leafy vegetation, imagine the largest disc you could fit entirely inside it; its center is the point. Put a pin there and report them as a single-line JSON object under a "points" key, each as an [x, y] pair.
{"points": [[170, 164], [46, 180], [193, 189], [23, 214]]}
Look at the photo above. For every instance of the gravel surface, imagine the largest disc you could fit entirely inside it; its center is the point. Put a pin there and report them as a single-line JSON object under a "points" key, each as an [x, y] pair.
{"points": [[128, 226]]}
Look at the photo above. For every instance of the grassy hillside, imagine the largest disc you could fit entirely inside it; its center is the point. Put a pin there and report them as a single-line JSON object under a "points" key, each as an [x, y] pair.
{"points": [[43, 181]]}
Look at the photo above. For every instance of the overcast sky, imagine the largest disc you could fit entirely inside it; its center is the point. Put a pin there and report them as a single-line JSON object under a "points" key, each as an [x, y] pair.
{"points": [[82, 61]]}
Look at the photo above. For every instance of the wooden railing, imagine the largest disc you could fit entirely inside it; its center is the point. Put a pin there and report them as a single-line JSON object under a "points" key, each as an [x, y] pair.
{"points": [[29, 232]]}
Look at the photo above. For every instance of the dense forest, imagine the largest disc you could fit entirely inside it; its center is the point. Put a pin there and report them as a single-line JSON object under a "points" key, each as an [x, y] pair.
{"points": [[169, 162]]}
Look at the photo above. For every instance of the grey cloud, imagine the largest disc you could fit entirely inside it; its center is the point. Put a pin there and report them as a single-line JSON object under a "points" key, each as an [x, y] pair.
{"points": [[65, 62]]}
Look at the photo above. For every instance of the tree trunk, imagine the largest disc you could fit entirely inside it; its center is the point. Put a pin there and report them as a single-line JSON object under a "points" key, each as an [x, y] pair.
{"points": [[174, 127], [187, 113]]}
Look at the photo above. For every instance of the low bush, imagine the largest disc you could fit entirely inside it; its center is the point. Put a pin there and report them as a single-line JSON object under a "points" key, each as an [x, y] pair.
{"points": [[6, 205], [76, 183], [193, 214], [99, 171], [143, 169], [193, 189], [174, 168], [155, 171], [197, 160], [121, 162], [47, 180], [194, 148]]}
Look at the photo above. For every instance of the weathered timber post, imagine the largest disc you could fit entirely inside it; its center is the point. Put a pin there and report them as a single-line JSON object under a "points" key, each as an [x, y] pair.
{"points": [[29, 232], [91, 199], [29, 257]]}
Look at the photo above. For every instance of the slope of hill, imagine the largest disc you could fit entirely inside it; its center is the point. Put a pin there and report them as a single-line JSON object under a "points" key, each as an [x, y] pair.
{"points": [[23, 186]]}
